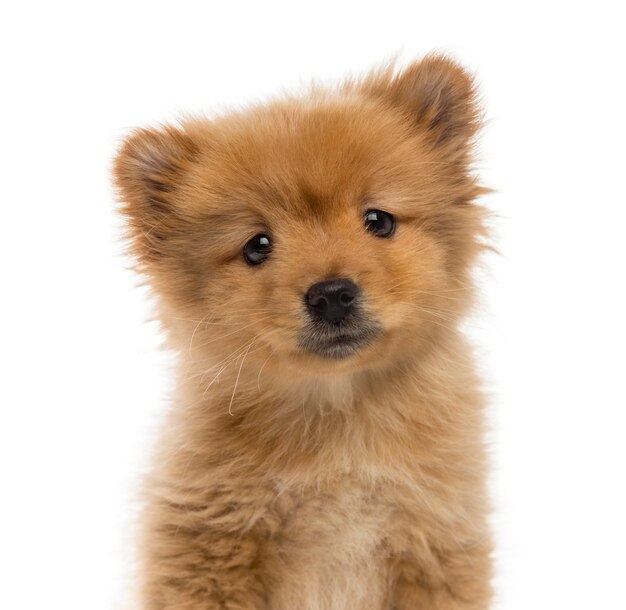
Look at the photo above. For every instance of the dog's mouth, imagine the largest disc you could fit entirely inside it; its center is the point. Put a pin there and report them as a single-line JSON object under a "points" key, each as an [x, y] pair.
{"points": [[337, 343]]}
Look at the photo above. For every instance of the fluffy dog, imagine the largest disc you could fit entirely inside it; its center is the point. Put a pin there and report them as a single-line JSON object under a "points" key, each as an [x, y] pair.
{"points": [[311, 260]]}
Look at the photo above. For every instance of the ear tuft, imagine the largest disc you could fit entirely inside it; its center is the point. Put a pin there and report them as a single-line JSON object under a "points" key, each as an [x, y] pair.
{"points": [[147, 170], [436, 94], [150, 163]]}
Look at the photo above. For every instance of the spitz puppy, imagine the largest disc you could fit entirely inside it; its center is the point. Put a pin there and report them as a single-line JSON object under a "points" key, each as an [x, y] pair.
{"points": [[311, 260]]}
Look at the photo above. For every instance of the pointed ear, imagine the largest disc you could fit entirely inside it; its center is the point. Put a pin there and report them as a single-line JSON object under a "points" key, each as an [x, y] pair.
{"points": [[147, 172], [436, 94]]}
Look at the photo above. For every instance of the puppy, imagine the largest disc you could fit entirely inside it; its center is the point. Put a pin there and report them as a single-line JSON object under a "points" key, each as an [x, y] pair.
{"points": [[311, 261]]}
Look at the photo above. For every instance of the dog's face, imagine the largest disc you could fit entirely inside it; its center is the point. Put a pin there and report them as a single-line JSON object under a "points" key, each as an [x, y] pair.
{"points": [[328, 234]]}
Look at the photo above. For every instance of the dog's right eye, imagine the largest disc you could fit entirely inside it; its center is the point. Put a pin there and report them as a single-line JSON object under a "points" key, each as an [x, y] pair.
{"points": [[257, 249]]}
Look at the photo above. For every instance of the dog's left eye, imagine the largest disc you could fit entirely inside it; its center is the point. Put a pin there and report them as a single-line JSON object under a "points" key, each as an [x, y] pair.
{"points": [[257, 249], [381, 224]]}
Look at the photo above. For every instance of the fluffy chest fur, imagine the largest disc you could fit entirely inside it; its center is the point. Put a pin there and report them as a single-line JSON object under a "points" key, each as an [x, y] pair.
{"points": [[321, 515], [330, 553]]}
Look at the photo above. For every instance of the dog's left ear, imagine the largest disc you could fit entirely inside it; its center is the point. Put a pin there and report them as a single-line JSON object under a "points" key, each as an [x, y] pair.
{"points": [[436, 94]]}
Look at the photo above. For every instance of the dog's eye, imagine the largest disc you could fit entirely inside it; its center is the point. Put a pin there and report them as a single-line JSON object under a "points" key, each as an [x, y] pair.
{"points": [[381, 224], [257, 249]]}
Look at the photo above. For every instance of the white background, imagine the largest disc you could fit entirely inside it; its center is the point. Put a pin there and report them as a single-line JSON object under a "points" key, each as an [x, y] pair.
{"points": [[82, 380]]}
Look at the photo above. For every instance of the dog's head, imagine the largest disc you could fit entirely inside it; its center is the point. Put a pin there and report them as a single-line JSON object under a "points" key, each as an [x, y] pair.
{"points": [[333, 232]]}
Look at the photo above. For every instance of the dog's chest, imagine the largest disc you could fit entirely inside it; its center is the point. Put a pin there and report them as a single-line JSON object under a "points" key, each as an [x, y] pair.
{"points": [[329, 554]]}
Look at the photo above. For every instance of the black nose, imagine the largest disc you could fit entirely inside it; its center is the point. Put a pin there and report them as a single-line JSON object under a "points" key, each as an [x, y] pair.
{"points": [[332, 300]]}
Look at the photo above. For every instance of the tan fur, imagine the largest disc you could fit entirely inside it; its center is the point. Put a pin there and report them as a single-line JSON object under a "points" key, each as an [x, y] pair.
{"points": [[284, 480]]}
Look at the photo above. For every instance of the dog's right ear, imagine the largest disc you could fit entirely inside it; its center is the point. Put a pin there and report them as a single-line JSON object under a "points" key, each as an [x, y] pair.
{"points": [[147, 172]]}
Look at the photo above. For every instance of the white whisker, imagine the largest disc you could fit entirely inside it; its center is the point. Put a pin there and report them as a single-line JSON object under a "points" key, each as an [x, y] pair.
{"points": [[238, 375]]}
